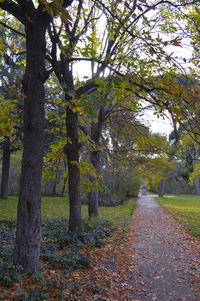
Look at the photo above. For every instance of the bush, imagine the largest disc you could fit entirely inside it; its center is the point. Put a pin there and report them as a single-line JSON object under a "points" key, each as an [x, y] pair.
{"points": [[119, 186]]}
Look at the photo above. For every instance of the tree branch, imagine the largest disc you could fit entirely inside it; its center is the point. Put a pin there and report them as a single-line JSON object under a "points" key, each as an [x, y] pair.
{"points": [[12, 29], [78, 16], [27, 6], [86, 88], [13, 9]]}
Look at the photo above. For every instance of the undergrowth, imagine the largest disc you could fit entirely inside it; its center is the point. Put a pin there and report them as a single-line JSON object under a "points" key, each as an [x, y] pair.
{"points": [[62, 253]]}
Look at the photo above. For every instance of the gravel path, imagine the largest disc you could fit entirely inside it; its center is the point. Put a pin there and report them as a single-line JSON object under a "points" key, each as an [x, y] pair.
{"points": [[166, 256]]}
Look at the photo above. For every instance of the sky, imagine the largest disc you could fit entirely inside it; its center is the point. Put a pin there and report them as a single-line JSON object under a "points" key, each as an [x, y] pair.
{"points": [[157, 125], [179, 53]]}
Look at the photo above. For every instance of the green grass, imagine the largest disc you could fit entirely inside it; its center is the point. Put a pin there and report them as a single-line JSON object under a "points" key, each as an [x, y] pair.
{"points": [[59, 207], [8, 208], [185, 209]]}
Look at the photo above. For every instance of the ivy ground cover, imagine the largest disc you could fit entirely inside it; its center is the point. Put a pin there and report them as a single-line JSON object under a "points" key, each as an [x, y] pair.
{"points": [[185, 209]]}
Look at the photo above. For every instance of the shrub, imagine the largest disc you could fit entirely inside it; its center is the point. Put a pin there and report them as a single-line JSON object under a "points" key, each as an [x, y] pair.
{"points": [[119, 186]]}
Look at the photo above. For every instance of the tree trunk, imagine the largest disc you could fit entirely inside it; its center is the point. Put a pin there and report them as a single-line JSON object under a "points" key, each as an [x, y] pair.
{"points": [[96, 131], [64, 185], [196, 180], [162, 185], [177, 137], [93, 195], [56, 178], [196, 185], [163, 180], [65, 179], [72, 152], [27, 246], [5, 168], [65, 77]]}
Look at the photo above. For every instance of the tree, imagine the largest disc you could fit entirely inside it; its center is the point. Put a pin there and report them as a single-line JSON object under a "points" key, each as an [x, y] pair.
{"points": [[174, 138], [36, 19], [103, 104], [118, 49], [10, 134], [190, 147], [11, 70]]}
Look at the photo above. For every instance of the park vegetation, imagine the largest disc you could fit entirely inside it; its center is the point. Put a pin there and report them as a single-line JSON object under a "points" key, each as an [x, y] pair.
{"points": [[76, 79]]}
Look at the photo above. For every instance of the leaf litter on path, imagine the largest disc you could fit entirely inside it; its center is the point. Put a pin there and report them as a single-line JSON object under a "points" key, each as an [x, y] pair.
{"points": [[159, 260]]}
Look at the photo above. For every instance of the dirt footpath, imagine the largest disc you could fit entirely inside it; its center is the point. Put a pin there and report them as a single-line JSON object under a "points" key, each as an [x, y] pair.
{"points": [[166, 257]]}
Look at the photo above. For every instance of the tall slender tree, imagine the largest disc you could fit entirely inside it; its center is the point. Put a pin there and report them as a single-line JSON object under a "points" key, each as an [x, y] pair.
{"points": [[11, 72], [116, 47]]}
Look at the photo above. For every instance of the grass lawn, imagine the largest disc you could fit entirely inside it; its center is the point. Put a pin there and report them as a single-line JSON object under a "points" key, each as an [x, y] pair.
{"points": [[185, 209], [53, 207]]}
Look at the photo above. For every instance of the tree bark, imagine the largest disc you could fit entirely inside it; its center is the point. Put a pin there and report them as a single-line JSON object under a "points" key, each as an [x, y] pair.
{"points": [[93, 196], [72, 153], [65, 179], [64, 185], [27, 246], [5, 168], [64, 74]]}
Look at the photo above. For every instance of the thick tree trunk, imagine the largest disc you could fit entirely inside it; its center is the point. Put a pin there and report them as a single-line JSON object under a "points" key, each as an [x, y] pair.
{"points": [[93, 195], [27, 246], [72, 152], [5, 168]]}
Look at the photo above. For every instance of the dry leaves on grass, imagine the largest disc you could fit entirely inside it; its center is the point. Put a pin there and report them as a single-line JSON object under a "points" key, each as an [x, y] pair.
{"points": [[104, 280]]}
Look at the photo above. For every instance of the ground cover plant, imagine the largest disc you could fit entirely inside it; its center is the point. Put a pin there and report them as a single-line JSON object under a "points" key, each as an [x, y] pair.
{"points": [[185, 209], [63, 254]]}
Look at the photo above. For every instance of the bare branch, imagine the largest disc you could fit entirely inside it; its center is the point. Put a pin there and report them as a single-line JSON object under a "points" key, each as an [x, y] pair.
{"points": [[78, 15], [14, 30], [14, 9], [86, 88]]}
